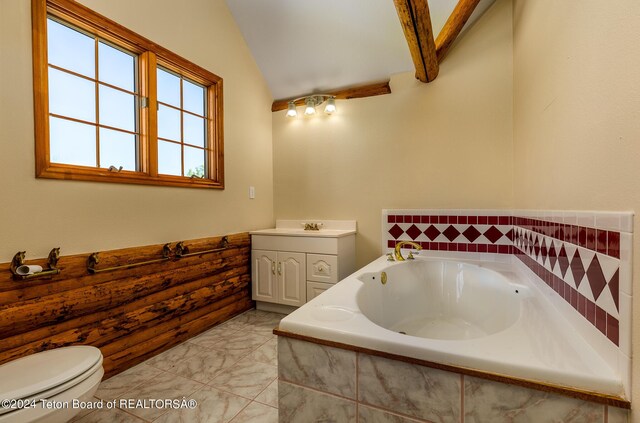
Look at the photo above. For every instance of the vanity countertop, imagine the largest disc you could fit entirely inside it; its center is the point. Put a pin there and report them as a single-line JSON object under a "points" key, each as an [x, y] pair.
{"points": [[329, 228]]}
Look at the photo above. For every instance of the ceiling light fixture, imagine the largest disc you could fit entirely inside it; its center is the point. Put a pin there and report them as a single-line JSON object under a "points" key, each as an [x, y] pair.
{"points": [[310, 103], [331, 106], [292, 112], [310, 106]]}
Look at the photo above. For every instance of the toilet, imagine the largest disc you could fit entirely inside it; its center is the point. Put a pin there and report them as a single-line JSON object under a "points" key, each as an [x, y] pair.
{"points": [[57, 376]]}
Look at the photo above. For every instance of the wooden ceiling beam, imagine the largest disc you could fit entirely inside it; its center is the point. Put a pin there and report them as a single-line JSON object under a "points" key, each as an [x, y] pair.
{"points": [[370, 90], [451, 29], [416, 23]]}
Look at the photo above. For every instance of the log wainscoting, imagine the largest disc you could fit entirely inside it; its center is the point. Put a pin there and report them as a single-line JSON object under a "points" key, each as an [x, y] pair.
{"points": [[130, 314]]}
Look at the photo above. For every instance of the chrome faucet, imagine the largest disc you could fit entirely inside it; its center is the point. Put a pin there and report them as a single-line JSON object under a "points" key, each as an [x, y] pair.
{"points": [[399, 245]]}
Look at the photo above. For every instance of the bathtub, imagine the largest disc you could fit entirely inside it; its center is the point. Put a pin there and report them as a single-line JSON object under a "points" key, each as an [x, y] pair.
{"points": [[470, 315]]}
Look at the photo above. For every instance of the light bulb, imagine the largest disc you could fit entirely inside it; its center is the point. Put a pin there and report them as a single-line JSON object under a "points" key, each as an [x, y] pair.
{"points": [[331, 106], [310, 108], [292, 112]]}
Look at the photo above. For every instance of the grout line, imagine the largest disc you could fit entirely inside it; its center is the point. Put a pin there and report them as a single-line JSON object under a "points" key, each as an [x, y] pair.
{"points": [[317, 390], [397, 413]]}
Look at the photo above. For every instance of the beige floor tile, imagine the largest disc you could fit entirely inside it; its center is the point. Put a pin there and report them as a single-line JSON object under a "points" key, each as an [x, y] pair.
{"points": [[266, 353], [270, 395], [247, 378], [257, 413], [172, 357], [214, 406], [213, 336], [205, 366], [126, 381], [109, 416], [165, 386], [242, 343]]}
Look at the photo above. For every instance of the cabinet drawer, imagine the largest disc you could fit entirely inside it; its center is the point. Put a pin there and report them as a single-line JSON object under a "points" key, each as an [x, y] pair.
{"points": [[322, 268], [316, 288]]}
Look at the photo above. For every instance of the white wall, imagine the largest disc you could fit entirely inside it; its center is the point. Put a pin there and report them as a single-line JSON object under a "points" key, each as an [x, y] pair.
{"points": [[447, 144], [577, 113], [39, 214]]}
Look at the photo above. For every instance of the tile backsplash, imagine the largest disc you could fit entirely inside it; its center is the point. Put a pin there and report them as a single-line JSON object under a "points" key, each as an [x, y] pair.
{"points": [[585, 257]]}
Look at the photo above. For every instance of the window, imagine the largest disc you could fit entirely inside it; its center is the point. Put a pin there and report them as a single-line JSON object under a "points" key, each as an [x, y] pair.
{"points": [[112, 106]]}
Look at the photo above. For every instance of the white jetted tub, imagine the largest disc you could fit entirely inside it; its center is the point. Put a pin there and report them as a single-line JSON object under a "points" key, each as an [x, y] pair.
{"points": [[475, 315]]}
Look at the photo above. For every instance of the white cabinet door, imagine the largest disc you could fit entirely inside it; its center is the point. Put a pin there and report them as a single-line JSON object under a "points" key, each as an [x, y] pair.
{"points": [[292, 286], [263, 280]]}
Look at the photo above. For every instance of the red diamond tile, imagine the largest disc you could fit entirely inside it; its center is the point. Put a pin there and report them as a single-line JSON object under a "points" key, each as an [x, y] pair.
{"points": [[563, 261], [577, 269], [451, 233], [493, 234], [543, 251], [553, 258], [596, 277], [471, 233], [432, 232], [396, 231], [510, 234], [614, 287], [536, 247], [414, 232]]}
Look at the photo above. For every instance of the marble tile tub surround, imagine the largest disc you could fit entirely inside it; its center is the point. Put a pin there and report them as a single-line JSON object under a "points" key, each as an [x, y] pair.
{"points": [[393, 391], [230, 370]]}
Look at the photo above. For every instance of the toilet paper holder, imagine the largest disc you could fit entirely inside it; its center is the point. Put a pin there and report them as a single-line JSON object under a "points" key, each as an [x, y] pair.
{"points": [[20, 273]]}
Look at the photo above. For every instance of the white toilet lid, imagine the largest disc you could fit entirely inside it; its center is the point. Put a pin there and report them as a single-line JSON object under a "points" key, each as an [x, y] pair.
{"points": [[36, 373]]}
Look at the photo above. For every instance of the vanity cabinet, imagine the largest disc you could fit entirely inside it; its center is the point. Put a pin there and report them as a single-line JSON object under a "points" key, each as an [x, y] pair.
{"points": [[290, 266], [279, 277]]}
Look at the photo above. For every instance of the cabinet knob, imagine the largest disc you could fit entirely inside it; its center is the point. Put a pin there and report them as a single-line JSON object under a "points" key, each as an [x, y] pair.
{"points": [[273, 267]]}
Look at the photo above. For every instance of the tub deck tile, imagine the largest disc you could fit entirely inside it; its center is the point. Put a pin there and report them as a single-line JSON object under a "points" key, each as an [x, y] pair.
{"points": [[417, 391], [495, 402], [325, 368]]}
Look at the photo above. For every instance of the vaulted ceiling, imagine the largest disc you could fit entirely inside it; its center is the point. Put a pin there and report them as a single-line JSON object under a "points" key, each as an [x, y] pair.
{"points": [[304, 46]]}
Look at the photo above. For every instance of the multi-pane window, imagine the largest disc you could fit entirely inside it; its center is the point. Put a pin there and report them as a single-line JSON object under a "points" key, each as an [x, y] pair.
{"points": [[182, 125], [113, 106], [92, 100]]}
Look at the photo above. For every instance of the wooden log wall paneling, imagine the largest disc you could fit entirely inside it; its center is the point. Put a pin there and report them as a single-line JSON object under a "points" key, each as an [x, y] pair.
{"points": [[130, 314]]}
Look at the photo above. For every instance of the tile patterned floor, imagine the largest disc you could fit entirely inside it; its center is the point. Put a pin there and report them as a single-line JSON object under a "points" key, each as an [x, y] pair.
{"points": [[230, 370]]}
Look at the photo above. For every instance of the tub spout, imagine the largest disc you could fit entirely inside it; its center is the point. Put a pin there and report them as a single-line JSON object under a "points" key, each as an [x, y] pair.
{"points": [[399, 245]]}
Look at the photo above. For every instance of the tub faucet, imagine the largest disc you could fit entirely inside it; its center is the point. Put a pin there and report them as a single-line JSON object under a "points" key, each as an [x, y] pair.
{"points": [[399, 245]]}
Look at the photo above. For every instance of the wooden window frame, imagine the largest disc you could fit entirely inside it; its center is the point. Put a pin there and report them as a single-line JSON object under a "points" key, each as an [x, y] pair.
{"points": [[149, 54]]}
